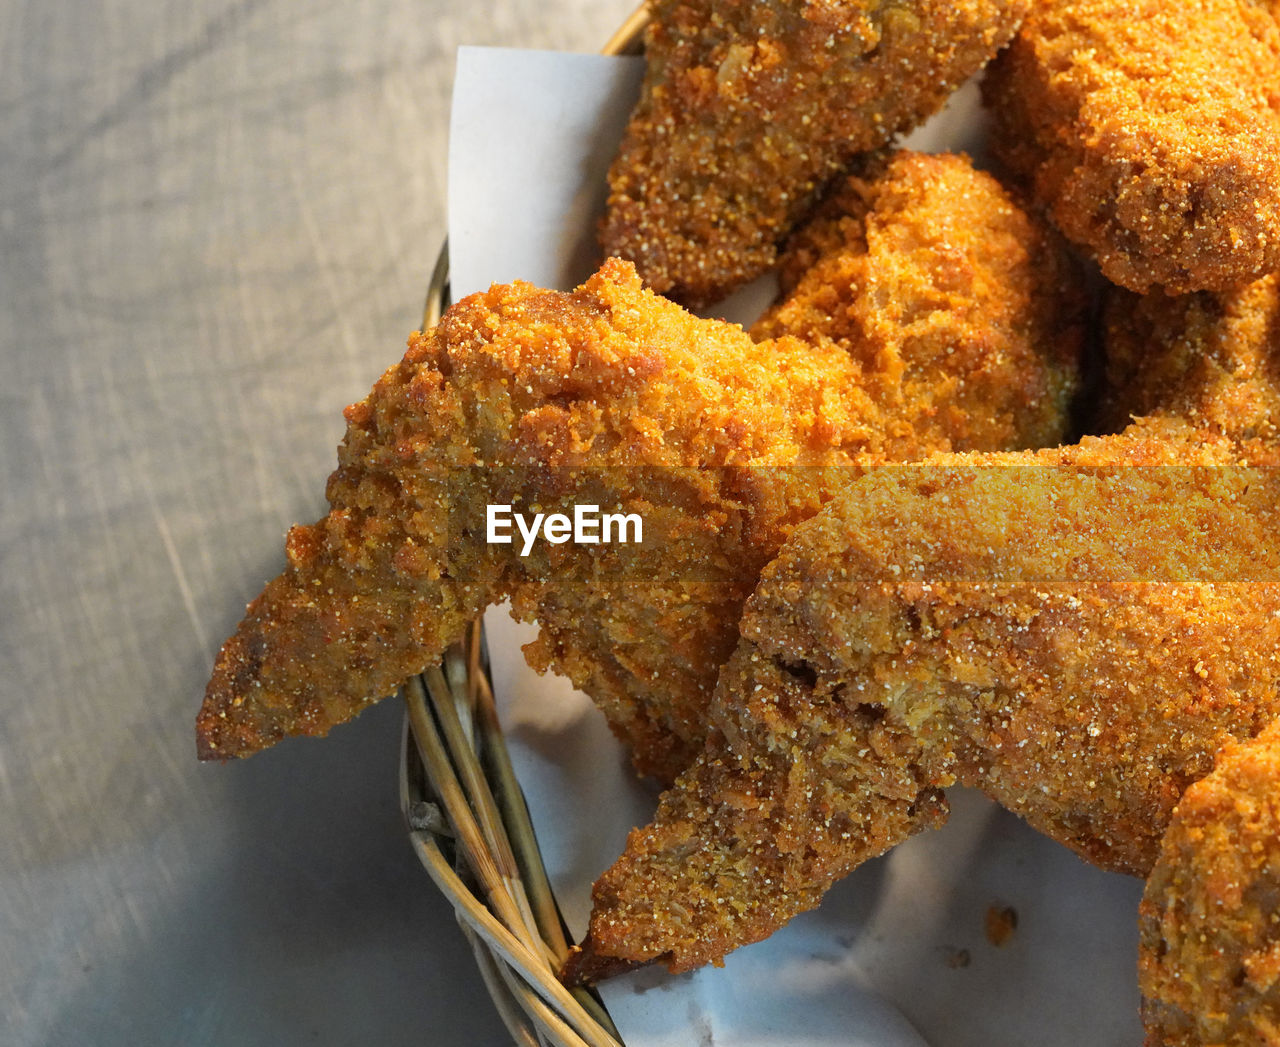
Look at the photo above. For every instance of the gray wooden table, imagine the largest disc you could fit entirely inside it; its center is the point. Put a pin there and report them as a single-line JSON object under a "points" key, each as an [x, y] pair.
{"points": [[217, 220]]}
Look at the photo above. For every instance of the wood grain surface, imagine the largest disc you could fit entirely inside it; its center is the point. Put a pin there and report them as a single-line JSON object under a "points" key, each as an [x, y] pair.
{"points": [[217, 220]]}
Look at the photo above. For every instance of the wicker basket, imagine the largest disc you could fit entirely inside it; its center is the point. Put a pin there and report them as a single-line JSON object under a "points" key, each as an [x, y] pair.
{"points": [[467, 817]]}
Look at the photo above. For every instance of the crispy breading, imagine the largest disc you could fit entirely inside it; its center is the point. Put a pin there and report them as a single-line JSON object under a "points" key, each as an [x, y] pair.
{"points": [[748, 109], [612, 396], [1216, 356], [898, 645], [1074, 631], [1209, 960], [949, 294], [535, 399], [1151, 133], [964, 317]]}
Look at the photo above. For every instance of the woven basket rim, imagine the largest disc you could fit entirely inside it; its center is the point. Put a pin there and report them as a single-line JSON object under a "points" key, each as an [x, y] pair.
{"points": [[466, 815]]}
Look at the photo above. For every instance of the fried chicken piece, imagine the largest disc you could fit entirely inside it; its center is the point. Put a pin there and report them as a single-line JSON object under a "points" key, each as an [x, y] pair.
{"points": [[1076, 632], [536, 399], [1209, 963], [963, 311], [747, 110], [614, 397], [1216, 356], [1151, 133]]}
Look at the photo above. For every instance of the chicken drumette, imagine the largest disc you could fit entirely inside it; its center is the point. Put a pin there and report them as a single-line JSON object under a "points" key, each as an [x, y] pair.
{"points": [[1079, 632]]}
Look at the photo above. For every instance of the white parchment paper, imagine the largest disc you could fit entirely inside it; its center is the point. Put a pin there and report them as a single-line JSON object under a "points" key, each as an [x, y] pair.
{"points": [[897, 955]]}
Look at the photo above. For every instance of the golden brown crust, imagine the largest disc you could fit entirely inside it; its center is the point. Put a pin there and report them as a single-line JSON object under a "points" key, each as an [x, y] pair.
{"points": [[799, 790], [1151, 133], [519, 396], [749, 108], [1209, 963], [962, 309], [1212, 356]]}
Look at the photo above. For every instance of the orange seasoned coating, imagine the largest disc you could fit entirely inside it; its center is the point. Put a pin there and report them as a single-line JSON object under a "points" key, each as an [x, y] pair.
{"points": [[950, 296], [535, 399], [1151, 132], [748, 109], [615, 397], [1074, 631], [1216, 355], [1209, 959]]}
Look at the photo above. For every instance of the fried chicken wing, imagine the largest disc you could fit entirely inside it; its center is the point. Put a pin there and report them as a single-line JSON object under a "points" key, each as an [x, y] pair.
{"points": [[1076, 631], [1209, 965], [748, 110], [1151, 133], [534, 399], [611, 396], [1070, 631]]}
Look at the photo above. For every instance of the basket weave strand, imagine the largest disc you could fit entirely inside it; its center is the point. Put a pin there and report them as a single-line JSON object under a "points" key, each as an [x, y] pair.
{"points": [[459, 829]]}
